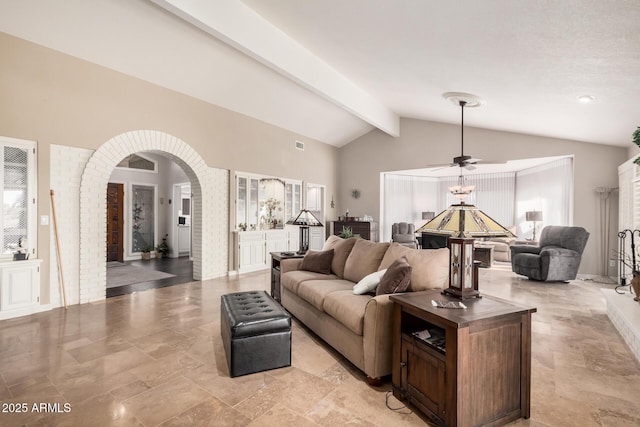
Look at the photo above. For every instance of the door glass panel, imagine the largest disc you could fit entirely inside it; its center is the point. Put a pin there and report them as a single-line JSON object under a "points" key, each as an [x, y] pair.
{"points": [[142, 218], [252, 217], [241, 208]]}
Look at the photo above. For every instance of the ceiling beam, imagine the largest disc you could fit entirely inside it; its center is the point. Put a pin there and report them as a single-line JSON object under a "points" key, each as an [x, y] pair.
{"points": [[239, 26]]}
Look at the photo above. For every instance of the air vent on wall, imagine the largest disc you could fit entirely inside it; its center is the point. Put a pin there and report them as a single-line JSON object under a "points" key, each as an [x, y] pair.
{"points": [[300, 145]]}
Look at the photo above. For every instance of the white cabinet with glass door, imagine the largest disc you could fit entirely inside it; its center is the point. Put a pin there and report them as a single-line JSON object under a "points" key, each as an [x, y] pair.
{"points": [[19, 280], [18, 183]]}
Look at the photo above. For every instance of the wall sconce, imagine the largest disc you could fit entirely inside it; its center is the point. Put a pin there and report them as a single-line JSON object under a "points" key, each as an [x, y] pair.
{"points": [[332, 204]]}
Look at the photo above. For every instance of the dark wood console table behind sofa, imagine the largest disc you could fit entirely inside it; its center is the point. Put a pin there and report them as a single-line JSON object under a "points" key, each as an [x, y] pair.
{"points": [[366, 229]]}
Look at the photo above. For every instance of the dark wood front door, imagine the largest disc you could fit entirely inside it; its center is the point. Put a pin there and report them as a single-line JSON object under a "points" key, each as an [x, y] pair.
{"points": [[115, 222]]}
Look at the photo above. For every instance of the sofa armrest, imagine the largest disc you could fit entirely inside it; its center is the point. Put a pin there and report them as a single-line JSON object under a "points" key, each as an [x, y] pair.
{"points": [[559, 263], [378, 336], [290, 264], [524, 249]]}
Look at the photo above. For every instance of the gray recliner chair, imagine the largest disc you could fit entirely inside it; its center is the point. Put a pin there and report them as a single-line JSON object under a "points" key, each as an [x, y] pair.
{"points": [[557, 258], [404, 233]]}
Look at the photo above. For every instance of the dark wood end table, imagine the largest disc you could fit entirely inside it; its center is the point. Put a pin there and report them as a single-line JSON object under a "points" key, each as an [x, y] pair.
{"points": [[474, 369], [276, 258]]}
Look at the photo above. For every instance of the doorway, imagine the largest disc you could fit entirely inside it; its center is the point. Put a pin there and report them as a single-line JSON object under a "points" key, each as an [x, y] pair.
{"points": [[210, 188], [115, 222]]}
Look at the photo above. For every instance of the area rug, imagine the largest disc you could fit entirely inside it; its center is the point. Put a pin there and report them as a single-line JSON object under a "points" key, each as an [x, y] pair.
{"points": [[119, 274]]}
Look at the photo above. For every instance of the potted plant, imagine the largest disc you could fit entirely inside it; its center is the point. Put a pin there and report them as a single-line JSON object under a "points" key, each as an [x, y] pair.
{"points": [[146, 251], [347, 232], [162, 249], [21, 250]]}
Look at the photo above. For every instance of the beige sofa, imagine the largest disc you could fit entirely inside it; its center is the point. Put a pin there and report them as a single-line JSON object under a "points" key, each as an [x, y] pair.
{"points": [[358, 326]]}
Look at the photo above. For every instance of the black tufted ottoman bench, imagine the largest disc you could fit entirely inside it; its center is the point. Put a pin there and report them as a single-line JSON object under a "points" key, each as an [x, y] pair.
{"points": [[256, 332]]}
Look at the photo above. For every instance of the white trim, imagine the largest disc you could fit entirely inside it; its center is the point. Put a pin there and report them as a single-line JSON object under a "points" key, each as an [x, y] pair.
{"points": [[25, 311]]}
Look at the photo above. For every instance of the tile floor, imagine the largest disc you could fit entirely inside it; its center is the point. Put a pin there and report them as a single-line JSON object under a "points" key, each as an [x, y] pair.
{"points": [[156, 358]]}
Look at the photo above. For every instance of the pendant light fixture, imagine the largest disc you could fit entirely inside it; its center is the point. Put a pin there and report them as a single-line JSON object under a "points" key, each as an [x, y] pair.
{"points": [[462, 220]]}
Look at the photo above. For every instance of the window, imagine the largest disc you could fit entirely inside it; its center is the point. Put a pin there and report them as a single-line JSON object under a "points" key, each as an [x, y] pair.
{"points": [[136, 161], [18, 183]]}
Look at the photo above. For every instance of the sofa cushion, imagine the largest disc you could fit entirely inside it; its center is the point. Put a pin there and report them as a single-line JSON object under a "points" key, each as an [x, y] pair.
{"points": [[365, 258], [347, 308], [396, 278], [429, 267], [317, 261], [341, 250], [369, 283], [315, 291], [292, 279]]}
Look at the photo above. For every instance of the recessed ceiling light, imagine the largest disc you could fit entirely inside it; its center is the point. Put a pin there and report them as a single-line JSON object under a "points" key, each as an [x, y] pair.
{"points": [[585, 99]]}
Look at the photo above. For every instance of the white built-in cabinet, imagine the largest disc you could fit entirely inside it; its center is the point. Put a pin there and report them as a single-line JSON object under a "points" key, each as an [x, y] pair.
{"points": [[252, 248], [19, 288], [316, 238]]}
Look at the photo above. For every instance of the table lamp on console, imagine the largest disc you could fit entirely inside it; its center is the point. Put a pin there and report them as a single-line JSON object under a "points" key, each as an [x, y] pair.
{"points": [[304, 220]]}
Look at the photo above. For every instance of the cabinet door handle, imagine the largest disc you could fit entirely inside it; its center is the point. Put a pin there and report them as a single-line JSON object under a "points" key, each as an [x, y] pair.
{"points": [[402, 364]]}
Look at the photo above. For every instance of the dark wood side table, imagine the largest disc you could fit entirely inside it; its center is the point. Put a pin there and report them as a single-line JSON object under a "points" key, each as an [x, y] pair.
{"points": [[484, 254], [476, 367], [276, 258]]}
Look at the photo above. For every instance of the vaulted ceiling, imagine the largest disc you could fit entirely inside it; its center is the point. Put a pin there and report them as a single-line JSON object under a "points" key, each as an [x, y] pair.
{"points": [[333, 70]]}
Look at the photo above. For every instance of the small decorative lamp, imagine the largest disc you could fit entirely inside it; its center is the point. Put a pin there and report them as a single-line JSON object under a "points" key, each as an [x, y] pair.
{"points": [[461, 269], [304, 219], [533, 216]]}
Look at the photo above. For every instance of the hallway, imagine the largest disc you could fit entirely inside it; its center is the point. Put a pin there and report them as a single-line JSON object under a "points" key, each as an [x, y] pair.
{"points": [[181, 268]]}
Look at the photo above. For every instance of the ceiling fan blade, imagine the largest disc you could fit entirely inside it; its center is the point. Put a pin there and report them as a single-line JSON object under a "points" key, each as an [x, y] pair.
{"points": [[440, 165], [490, 162]]}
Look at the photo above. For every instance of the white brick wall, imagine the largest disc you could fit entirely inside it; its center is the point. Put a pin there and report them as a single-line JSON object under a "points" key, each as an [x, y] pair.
{"points": [[79, 179], [67, 165]]}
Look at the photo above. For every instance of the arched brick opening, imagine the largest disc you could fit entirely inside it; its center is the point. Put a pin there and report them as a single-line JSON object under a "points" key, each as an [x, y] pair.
{"points": [[93, 187]]}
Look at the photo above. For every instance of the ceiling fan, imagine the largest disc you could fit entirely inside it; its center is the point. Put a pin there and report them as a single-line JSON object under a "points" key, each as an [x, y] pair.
{"points": [[468, 101]]}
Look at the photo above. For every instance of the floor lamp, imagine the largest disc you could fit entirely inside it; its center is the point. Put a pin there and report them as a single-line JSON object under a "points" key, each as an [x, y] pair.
{"points": [[533, 216]]}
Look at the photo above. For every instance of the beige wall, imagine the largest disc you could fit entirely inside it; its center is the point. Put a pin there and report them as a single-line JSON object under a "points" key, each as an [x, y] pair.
{"points": [[57, 99], [422, 143], [53, 98]]}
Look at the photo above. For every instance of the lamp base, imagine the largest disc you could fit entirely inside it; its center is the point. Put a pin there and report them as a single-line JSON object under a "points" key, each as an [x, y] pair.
{"points": [[461, 294]]}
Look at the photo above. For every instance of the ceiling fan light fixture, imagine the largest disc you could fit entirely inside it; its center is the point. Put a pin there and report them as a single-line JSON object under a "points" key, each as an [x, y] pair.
{"points": [[461, 191]]}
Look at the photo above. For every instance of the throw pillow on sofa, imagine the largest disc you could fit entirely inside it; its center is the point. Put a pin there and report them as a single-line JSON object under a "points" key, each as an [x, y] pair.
{"points": [[369, 283], [396, 279], [365, 258], [341, 250], [317, 261]]}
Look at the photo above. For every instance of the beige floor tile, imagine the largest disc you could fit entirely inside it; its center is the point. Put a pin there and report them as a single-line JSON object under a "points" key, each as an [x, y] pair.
{"points": [[209, 413], [157, 357], [165, 401]]}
